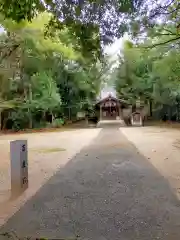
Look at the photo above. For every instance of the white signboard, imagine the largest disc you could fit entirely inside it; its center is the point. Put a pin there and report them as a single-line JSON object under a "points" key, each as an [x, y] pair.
{"points": [[19, 166]]}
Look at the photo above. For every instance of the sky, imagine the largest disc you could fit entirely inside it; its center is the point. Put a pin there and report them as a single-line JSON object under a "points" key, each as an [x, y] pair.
{"points": [[114, 48], [113, 51]]}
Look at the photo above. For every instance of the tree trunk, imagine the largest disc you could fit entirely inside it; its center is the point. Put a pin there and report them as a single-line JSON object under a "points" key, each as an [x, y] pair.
{"points": [[52, 117], [4, 118], [28, 96], [69, 113], [150, 108], [44, 115], [30, 113]]}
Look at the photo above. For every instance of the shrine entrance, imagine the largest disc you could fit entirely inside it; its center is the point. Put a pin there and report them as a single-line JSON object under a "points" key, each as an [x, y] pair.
{"points": [[110, 108]]}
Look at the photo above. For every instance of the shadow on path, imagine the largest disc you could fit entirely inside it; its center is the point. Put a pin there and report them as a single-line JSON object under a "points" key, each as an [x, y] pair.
{"points": [[106, 192]]}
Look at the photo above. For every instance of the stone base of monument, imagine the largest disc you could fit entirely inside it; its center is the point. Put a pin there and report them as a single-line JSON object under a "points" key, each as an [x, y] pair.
{"points": [[136, 119]]}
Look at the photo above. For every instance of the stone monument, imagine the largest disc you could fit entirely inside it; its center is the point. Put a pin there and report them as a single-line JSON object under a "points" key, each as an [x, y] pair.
{"points": [[19, 167]]}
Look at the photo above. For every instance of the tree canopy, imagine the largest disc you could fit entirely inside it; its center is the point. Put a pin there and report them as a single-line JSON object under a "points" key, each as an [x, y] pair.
{"points": [[44, 78], [53, 63], [95, 23], [150, 73]]}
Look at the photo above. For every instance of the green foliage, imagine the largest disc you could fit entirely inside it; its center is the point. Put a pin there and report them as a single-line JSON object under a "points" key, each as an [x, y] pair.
{"points": [[44, 92], [93, 23], [20, 10], [41, 78], [151, 74], [58, 122], [52, 60], [18, 119], [131, 79], [84, 20]]}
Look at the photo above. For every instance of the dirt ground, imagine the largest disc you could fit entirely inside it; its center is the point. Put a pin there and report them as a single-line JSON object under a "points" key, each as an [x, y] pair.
{"points": [[47, 152], [161, 146], [108, 191]]}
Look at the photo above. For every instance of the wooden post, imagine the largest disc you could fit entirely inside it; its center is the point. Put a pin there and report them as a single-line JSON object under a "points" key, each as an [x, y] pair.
{"points": [[19, 167], [69, 113]]}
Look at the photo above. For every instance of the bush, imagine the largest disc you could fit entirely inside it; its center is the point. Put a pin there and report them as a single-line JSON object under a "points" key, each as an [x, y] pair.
{"points": [[40, 124], [58, 122], [17, 120]]}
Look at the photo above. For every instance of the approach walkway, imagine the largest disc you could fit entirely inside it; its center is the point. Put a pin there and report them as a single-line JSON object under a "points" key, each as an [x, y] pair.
{"points": [[111, 123]]}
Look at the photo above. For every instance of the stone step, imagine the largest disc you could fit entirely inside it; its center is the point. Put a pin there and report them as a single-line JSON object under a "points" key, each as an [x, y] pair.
{"points": [[110, 123]]}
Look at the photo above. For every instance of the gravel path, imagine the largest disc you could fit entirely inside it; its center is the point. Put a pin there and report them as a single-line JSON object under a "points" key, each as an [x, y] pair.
{"points": [[106, 192]]}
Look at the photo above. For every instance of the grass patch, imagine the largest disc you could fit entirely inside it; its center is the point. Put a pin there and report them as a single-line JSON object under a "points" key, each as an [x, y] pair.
{"points": [[49, 150]]}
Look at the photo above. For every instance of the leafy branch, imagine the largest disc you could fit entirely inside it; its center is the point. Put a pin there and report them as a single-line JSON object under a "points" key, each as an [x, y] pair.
{"points": [[8, 53], [162, 43]]}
